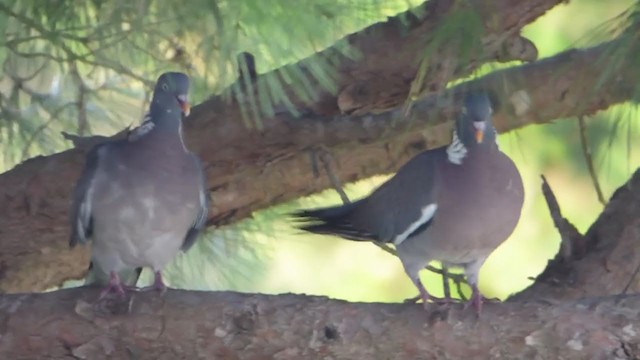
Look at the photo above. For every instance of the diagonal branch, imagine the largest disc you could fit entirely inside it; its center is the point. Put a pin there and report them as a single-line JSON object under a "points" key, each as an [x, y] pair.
{"points": [[586, 152]]}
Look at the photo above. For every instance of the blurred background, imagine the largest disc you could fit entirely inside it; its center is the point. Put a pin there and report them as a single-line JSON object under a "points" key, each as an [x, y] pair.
{"points": [[62, 81]]}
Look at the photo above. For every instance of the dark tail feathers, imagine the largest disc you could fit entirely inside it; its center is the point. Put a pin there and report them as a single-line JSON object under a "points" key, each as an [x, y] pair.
{"points": [[332, 221]]}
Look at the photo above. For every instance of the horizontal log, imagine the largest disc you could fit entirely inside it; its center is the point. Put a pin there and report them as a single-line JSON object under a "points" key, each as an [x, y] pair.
{"points": [[224, 325]]}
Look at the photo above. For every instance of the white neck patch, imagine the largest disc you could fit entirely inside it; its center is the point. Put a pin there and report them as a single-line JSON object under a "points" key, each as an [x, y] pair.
{"points": [[146, 127], [141, 130], [456, 152]]}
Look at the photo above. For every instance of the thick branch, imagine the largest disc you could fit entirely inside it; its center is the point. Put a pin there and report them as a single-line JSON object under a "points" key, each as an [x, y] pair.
{"points": [[606, 262], [201, 325]]}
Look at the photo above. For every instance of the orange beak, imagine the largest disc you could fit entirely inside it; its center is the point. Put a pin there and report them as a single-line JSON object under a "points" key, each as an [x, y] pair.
{"points": [[186, 108], [184, 104], [480, 127]]}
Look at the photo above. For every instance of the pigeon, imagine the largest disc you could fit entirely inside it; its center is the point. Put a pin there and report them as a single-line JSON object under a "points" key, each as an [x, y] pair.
{"points": [[142, 199], [454, 204]]}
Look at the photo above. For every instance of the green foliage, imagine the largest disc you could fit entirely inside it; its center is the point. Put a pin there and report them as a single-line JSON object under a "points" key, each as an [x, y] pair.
{"points": [[459, 34], [103, 54]]}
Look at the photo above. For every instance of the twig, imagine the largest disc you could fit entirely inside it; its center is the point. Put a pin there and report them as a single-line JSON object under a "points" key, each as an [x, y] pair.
{"points": [[81, 99], [445, 281], [22, 79], [32, 137], [572, 242], [458, 280], [35, 25], [463, 297], [247, 66], [631, 279], [385, 247], [589, 159], [391, 251], [327, 161], [560, 270]]}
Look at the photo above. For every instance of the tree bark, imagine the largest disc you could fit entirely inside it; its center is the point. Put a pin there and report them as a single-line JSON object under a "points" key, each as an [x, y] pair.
{"points": [[200, 325], [605, 260], [250, 169]]}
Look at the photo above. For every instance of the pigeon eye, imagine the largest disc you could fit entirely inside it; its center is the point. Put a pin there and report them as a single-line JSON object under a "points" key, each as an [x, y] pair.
{"points": [[165, 87]]}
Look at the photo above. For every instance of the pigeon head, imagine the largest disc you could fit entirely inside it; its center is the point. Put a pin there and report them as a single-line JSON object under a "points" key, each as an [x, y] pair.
{"points": [[171, 93], [474, 126]]}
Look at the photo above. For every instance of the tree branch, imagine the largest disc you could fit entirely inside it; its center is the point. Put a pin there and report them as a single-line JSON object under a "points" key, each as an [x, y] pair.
{"points": [[604, 261], [224, 325], [586, 152]]}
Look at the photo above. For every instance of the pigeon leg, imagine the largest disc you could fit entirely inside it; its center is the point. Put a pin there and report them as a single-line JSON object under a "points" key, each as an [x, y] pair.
{"points": [[114, 286], [412, 269], [476, 298], [158, 284], [424, 294], [472, 270]]}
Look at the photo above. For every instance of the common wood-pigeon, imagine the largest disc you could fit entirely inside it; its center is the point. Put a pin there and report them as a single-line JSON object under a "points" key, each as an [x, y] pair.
{"points": [[142, 199], [455, 204]]}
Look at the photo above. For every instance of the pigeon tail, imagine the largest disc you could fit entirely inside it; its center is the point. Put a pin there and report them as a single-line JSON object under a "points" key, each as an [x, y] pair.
{"points": [[335, 221]]}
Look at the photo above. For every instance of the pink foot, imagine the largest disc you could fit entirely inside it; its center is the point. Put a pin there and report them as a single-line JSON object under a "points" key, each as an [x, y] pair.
{"points": [[427, 298], [477, 299], [158, 284], [114, 286]]}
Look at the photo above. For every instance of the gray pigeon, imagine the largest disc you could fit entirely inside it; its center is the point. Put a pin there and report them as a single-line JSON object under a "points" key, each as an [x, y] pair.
{"points": [[142, 199], [454, 204]]}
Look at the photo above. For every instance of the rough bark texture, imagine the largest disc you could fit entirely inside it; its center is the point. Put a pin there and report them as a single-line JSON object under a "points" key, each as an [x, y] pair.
{"points": [[605, 261], [200, 325]]}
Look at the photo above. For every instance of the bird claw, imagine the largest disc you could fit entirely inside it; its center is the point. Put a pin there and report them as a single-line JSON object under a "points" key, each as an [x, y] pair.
{"points": [[412, 300], [476, 303], [158, 285], [428, 299], [432, 299], [477, 300], [443, 301], [113, 287]]}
